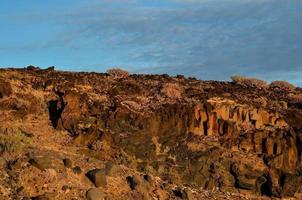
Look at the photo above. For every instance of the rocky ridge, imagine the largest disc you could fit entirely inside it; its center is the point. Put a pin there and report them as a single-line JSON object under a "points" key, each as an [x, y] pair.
{"points": [[67, 135]]}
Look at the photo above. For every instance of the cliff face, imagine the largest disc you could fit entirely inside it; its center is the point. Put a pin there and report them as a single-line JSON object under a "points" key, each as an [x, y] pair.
{"points": [[154, 136]]}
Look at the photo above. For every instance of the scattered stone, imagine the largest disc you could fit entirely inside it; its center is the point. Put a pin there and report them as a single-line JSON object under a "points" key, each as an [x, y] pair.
{"points": [[46, 196], [147, 178], [206, 134], [188, 194], [98, 177], [77, 170], [94, 194], [42, 163], [32, 68], [67, 163], [66, 187], [178, 193], [131, 182], [183, 193], [139, 183], [20, 189], [112, 169]]}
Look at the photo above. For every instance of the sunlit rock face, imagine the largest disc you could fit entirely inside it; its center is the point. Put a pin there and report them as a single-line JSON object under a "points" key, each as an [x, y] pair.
{"points": [[197, 144], [218, 136]]}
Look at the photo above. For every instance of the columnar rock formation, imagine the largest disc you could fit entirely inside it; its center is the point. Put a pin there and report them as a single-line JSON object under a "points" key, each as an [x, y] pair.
{"points": [[191, 134]]}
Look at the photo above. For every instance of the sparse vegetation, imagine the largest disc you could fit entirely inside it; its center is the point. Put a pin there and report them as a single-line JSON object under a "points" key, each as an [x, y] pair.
{"points": [[237, 78], [296, 98], [250, 82], [56, 127], [117, 73], [279, 104], [172, 90], [32, 68], [5, 89], [14, 140], [283, 85]]}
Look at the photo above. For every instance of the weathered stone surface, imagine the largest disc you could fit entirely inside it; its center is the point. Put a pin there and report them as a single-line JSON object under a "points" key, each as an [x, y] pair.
{"points": [[67, 163], [94, 194], [46, 196], [98, 177], [213, 135], [42, 163], [77, 170]]}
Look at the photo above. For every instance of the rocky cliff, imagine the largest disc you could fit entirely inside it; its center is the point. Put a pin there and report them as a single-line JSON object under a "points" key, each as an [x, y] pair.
{"points": [[70, 135]]}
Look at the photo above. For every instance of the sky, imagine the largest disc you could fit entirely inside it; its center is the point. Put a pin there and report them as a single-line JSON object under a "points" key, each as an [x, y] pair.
{"points": [[207, 39]]}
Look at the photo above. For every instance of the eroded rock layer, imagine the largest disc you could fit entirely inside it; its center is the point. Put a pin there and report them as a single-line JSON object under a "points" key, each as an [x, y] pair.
{"points": [[146, 137]]}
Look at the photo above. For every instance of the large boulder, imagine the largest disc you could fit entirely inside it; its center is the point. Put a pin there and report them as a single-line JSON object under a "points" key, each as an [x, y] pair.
{"points": [[41, 163], [94, 194], [97, 177]]}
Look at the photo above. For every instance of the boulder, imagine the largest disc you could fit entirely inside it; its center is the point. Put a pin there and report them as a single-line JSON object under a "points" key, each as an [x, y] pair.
{"points": [[112, 169], [141, 184], [183, 193], [94, 194], [98, 177], [77, 170], [46, 196], [67, 163], [42, 163]]}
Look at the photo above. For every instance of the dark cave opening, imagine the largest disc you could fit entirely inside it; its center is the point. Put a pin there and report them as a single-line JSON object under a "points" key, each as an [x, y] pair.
{"points": [[205, 128], [282, 180], [266, 186], [263, 144], [275, 149], [55, 111], [178, 193], [225, 128], [299, 144]]}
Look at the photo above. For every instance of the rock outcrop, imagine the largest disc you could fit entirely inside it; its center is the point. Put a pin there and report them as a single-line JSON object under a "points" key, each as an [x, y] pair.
{"points": [[146, 136]]}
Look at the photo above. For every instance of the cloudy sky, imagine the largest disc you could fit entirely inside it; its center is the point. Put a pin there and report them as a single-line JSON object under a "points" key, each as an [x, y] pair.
{"points": [[209, 39]]}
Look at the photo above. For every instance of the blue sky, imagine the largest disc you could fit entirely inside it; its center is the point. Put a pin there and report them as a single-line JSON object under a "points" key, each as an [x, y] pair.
{"points": [[209, 39]]}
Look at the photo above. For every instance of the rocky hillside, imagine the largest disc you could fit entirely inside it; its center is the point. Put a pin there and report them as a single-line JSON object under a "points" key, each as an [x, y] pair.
{"points": [[97, 136]]}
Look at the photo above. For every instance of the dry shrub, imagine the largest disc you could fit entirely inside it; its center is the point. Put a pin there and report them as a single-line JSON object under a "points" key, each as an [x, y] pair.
{"points": [[261, 101], [279, 104], [250, 82], [14, 140], [5, 89], [237, 78], [127, 87], [296, 98], [32, 68], [172, 90], [118, 73], [283, 85], [132, 105]]}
